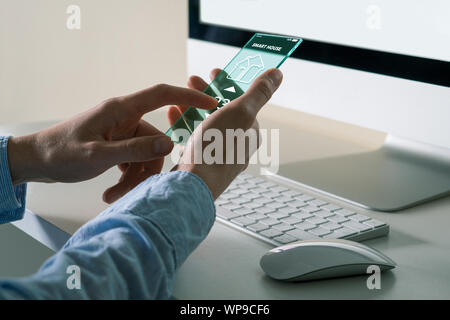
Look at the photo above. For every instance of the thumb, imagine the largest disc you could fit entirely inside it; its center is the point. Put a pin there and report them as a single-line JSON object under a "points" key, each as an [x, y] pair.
{"points": [[138, 149], [261, 90]]}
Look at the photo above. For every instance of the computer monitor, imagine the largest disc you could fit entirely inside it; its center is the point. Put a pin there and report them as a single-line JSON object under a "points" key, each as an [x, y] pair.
{"points": [[380, 64]]}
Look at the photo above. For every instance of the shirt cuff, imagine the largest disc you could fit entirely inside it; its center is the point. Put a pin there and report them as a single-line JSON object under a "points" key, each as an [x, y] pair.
{"points": [[179, 203], [12, 199]]}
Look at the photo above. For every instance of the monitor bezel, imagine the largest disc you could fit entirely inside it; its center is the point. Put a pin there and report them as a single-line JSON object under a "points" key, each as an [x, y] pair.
{"points": [[391, 64]]}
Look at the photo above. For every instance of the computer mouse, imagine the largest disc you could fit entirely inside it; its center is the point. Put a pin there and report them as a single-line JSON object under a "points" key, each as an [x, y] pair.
{"points": [[322, 259]]}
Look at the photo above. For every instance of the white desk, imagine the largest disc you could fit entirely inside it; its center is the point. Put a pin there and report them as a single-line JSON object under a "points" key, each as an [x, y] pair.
{"points": [[226, 264]]}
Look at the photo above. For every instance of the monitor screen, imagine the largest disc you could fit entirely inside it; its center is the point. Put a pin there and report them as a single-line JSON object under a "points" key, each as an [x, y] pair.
{"points": [[411, 27], [406, 39]]}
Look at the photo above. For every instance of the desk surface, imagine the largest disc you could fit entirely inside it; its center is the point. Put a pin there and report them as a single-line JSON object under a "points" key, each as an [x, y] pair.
{"points": [[226, 264]]}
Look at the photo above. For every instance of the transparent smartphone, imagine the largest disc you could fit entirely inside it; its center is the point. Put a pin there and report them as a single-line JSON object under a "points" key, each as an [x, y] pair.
{"points": [[262, 52]]}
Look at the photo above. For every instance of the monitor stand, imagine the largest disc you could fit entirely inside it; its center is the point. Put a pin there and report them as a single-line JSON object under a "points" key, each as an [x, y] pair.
{"points": [[399, 175]]}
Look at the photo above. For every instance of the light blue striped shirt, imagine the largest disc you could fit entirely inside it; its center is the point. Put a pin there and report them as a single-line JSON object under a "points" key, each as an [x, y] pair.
{"points": [[129, 251]]}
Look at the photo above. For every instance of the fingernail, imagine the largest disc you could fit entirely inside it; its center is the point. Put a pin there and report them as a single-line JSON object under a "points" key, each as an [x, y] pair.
{"points": [[162, 145], [276, 76]]}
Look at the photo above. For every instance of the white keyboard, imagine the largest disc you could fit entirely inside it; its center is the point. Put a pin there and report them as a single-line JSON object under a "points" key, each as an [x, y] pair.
{"points": [[279, 215]]}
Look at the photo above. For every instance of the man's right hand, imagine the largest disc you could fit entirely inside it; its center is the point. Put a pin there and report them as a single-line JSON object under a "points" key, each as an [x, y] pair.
{"points": [[238, 114]]}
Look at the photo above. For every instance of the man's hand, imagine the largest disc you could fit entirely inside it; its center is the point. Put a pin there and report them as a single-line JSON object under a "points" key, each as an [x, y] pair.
{"points": [[112, 133], [238, 114]]}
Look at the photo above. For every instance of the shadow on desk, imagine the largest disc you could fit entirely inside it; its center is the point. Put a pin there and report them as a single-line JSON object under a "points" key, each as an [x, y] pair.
{"points": [[340, 288]]}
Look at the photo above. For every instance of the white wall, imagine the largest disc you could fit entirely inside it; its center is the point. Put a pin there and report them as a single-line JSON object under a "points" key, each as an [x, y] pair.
{"points": [[49, 72]]}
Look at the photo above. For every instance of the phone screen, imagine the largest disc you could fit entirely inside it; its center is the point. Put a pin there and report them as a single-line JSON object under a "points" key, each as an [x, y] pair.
{"points": [[262, 52]]}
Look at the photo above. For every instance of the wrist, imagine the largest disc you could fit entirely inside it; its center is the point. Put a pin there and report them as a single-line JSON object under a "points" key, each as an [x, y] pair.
{"points": [[217, 178], [198, 172], [22, 159]]}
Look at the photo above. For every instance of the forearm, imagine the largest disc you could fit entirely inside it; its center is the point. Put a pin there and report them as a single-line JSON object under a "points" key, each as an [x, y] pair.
{"points": [[131, 250]]}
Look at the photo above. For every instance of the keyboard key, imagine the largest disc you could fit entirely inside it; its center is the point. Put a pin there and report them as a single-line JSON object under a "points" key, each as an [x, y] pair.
{"points": [[283, 199], [344, 212], [234, 183], [356, 226], [297, 204], [228, 196], [291, 193], [316, 220], [256, 216], [279, 189], [291, 220], [267, 184], [277, 215], [270, 233], [269, 221], [239, 191], [256, 227], [251, 196], [331, 225], [310, 209], [331, 207], [231, 206], [243, 221], [244, 184], [305, 225], [258, 189], [244, 176], [302, 215], [359, 217], [301, 235], [227, 215], [256, 180], [252, 205], [283, 227], [374, 223], [284, 239], [319, 231], [271, 194], [276, 205], [243, 211], [263, 200], [338, 219], [317, 203], [323, 213], [220, 202], [288, 210], [240, 200], [304, 198], [264, 210], [341, 233]]}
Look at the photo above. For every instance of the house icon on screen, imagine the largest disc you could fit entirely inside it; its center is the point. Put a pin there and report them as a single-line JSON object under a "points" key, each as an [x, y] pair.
{"points": [[246, 70]]}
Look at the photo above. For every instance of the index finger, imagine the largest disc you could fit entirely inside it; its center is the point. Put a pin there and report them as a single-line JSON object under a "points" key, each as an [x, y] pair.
{"points": [[163, 94], [197, 83]]}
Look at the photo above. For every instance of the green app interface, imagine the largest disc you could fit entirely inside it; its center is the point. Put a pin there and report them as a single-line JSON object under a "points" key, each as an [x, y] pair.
{"points": [[262, 52]]}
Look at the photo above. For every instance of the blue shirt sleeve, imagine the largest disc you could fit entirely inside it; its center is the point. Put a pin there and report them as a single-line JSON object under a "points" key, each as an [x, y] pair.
{"points": [[131, 250], [12, 199]]}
